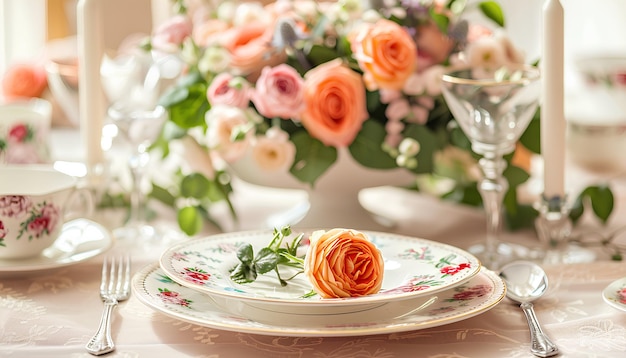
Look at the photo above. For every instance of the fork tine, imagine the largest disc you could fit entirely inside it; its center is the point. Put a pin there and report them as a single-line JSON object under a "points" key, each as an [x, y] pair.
{"points": [[112, 276], [127, 276], [120, 272], [103, 280]]}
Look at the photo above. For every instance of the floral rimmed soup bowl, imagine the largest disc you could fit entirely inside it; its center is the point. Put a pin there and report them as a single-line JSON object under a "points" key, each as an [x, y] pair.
{"points": [[35, 202]]}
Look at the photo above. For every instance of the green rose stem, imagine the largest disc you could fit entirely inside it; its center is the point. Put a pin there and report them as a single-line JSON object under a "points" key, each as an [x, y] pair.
{"points": [[269, 258]]}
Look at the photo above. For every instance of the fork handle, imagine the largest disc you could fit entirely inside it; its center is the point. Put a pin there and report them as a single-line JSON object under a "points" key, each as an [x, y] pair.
{"points": [[102, 342]]}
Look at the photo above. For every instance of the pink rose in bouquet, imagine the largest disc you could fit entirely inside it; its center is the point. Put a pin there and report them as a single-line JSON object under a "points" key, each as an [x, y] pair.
{"points": [[279, 92]]}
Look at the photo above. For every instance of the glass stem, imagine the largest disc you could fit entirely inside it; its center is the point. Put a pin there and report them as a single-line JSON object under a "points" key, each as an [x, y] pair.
{"points": [[136, 164], [492, 188]]}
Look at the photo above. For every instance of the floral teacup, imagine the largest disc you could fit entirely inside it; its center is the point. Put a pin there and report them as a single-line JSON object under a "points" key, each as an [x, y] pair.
{"points": [[35, 202], [24, 127]]}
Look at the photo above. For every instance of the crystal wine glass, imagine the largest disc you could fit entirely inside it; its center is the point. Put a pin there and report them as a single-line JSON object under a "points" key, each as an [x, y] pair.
{"points": [[493, 108], [138, 118]]}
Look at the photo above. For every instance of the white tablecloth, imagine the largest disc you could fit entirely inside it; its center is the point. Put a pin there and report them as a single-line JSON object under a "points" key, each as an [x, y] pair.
{"points": [[53, 313]]}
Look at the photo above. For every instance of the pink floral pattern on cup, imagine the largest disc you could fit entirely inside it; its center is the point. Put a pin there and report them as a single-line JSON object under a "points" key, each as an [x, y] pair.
{"points": [[24, 130], [20, 145], [40, 219]]}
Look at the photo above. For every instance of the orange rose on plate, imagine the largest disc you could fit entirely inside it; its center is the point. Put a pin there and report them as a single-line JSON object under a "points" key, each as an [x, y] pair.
{"points": [[343, 263]]}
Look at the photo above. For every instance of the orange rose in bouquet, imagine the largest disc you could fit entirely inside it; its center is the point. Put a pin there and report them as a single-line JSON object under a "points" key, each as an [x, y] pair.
{"points": [[24, 80], [335, 104], [343, 263]]}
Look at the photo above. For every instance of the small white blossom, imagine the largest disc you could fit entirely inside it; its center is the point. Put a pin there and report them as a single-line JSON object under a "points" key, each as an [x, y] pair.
{"points": [[223, 121], [226, 10], [486, 52], [271, 153], [214, 60], [409, 147], [249, 12]]}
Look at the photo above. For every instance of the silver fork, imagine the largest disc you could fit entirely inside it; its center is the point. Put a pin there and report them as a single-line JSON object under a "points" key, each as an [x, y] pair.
{"points": [[114, 288]]}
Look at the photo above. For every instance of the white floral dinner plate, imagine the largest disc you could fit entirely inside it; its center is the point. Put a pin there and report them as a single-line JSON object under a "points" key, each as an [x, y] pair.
{"points": [[79, 240], [615, 294], [413, 267], [155, 289]]}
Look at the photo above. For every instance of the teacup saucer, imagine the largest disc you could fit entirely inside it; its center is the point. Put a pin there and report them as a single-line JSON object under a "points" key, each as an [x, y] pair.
{"points": [[80, 240]]}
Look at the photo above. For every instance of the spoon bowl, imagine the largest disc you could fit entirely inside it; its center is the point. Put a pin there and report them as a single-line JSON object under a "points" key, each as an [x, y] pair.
{"points": [[526, 282]]}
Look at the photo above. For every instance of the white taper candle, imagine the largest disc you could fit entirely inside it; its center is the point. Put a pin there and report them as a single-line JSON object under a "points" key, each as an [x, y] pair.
{"points": [[91, 97], [552, 106]]}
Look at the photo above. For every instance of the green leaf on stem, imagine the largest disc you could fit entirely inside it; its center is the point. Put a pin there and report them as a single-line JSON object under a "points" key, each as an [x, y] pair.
{"points": [[163, 195], [493, 11], [531, 137], [312, 158], [194, 186], [367, 148], [601, 199], [189, 220], [245, 254], [266, 260]]}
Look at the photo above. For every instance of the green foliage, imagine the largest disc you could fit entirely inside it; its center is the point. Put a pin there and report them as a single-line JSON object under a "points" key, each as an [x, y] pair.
{"points": [[530, 139], [492, 11], [312, 159], [367, 147], [189, 220], [428, 145], [186, 101], [269, 258], [601, 199]]}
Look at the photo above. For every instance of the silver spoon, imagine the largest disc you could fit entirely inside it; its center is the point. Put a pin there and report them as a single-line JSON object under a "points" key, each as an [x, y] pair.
{"points": [[526, 282]]}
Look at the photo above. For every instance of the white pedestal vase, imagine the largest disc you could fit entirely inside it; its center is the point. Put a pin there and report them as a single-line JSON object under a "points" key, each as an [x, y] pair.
{"points": [[334, 200]]}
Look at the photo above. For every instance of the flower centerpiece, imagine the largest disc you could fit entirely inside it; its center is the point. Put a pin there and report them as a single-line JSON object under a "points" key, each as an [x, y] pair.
{"points": [[292, 86]]}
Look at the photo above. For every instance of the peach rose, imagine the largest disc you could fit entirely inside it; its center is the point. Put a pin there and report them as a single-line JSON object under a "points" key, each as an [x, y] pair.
{"points": [[24, 80], [335, 104], [249, 47], [208, 32], [386, 53], [343, 263]]}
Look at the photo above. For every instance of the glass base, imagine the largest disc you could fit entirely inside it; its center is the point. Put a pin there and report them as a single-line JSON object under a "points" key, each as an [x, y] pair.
{"points": [[507, 252], [504, 253], [143, 235], [571, 254]]}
